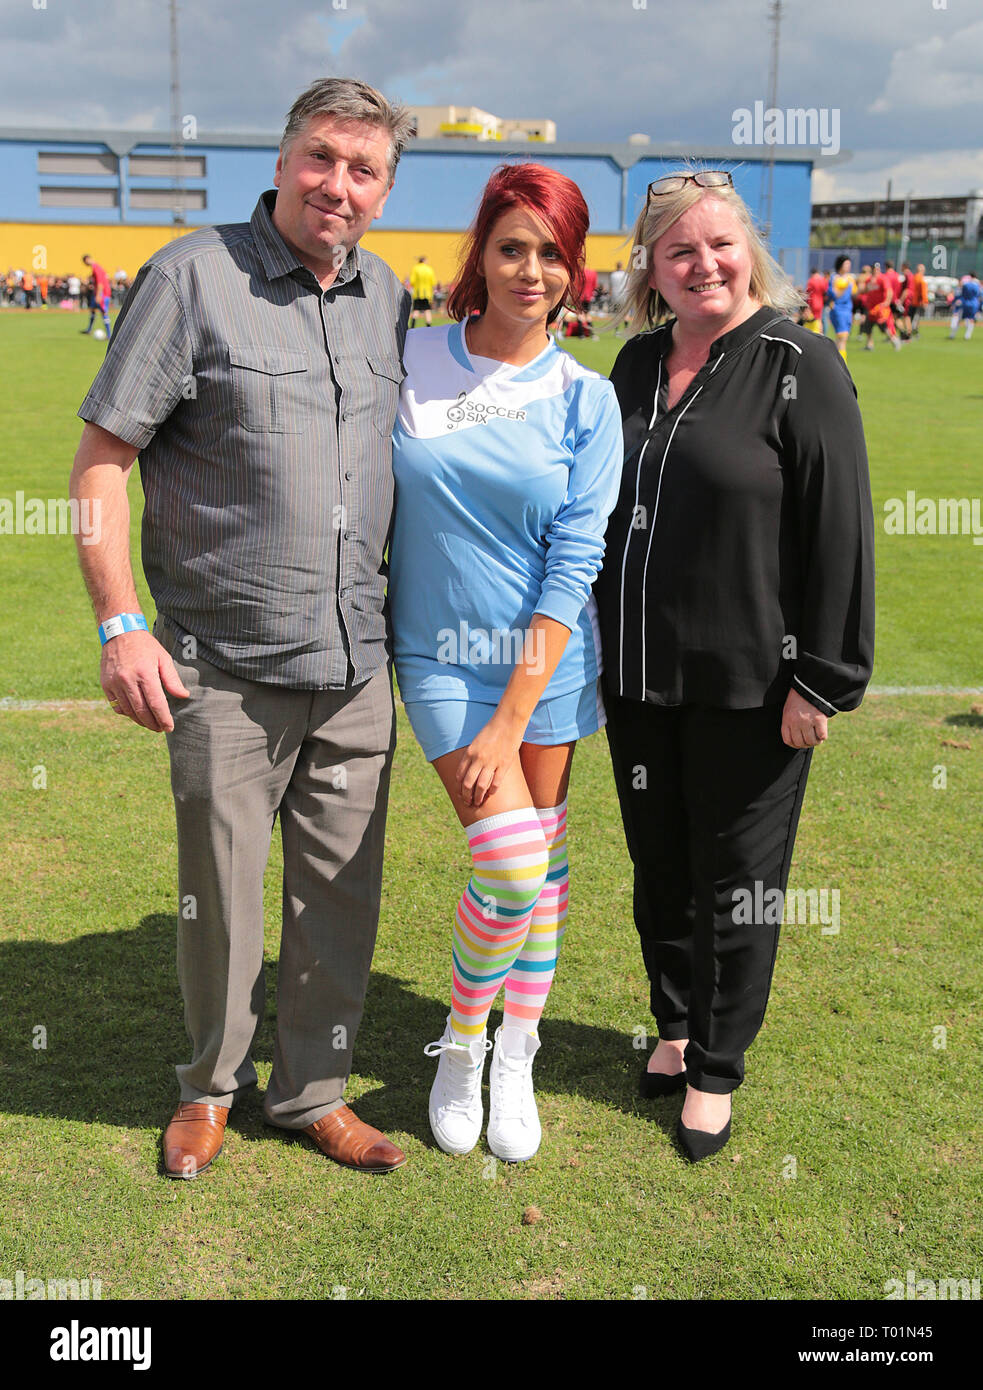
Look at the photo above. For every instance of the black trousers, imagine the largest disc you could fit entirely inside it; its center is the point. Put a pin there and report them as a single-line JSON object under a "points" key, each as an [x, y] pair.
{"points": [[710, 800]]}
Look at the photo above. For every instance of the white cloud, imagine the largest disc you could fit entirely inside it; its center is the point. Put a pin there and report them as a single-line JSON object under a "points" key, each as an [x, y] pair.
{"points": [[936, 74], [945, 173], [902, 78]]}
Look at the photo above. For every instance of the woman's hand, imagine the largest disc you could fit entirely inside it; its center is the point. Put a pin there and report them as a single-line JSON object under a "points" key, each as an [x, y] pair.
{"points": [[803, 726], [488, 758]]}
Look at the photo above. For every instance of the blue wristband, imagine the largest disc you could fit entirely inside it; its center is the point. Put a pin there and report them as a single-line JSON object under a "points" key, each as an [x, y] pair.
{"points": [[122, 622]]}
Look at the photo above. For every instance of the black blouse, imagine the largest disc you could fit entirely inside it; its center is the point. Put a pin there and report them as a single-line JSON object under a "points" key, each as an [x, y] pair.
{"points": [[739, 558]]}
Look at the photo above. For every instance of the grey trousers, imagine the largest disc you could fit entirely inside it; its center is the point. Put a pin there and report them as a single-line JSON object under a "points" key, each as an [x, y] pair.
{"points": [[241, 753]]}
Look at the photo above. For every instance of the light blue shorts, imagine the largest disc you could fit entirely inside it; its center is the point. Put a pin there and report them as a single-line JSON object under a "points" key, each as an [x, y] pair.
{"points": [[443, 725]]}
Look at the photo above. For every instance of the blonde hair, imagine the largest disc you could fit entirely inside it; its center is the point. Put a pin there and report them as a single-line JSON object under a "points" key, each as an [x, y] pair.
{"points": [[645, 307]]}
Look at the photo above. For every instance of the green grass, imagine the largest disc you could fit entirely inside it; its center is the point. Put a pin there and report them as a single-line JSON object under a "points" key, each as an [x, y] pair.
{"points": [[844, 1082], [921, 414], [856, 1148]]}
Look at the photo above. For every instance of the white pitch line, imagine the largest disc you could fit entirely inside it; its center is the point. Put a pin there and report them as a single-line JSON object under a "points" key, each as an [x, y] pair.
{"points": [[8, 703], [925, 690]]}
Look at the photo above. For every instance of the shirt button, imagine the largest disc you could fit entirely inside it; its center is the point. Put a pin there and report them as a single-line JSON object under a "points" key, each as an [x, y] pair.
{"points": [[347, 415], [349, 474]]}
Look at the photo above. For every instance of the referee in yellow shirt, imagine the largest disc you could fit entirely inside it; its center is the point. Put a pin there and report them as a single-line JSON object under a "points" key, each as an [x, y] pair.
{"points": [[422, 280]]}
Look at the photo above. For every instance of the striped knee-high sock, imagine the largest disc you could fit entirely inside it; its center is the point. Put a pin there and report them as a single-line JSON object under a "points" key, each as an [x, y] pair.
{"points": [[528, 982], [510, 864]]}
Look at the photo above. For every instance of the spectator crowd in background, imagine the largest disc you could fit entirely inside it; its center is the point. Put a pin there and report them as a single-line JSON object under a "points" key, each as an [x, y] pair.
{"points": [[29, 289], [907, 295]]}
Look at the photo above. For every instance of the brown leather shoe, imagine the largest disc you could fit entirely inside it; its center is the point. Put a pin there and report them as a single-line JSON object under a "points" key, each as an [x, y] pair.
{"points": [[341, 1135], [193, 1138]]}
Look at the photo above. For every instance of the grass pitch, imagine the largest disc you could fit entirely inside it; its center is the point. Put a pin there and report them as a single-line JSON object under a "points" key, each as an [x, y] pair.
{"points": [[855, 1155]]}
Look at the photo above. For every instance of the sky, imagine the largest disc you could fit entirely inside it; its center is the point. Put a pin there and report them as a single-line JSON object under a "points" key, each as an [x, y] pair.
{"points": [[903, 77]]}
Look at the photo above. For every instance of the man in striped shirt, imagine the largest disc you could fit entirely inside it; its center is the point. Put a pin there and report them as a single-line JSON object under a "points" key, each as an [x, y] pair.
{"points": [[255, 369]]}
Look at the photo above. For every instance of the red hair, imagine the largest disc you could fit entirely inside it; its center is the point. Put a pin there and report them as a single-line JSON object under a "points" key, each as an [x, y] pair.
{"points": [[550, 196]]}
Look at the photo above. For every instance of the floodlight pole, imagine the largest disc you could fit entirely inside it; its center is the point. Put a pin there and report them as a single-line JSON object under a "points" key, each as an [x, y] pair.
{"points": [[177, 145], [904, 227], [768, 171]]}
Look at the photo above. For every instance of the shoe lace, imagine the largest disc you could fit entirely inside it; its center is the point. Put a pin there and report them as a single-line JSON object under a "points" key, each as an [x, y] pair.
{"points": [[513, 1087], [461, 1076]]}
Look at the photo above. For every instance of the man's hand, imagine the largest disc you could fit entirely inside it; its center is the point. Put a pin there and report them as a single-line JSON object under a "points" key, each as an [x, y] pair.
{"points": [[803, 726], [135, 672]]}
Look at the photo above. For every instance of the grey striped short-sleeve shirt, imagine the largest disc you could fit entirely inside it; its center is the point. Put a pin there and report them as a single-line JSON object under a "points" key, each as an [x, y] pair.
{"points": [[262, 407]]}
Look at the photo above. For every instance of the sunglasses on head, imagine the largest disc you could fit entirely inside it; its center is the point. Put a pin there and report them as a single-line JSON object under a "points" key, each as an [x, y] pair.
{"points": [[672, 183]]}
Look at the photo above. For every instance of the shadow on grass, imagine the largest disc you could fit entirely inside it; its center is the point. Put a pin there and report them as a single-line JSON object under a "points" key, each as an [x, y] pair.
{"points": [[90, 1030], [965, 721]]}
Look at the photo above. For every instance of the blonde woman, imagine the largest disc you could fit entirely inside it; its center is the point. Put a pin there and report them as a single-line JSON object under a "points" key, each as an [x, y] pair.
{"points": [[736, 618]]}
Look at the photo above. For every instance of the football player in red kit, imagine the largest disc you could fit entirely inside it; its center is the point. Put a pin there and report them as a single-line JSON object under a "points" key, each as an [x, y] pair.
{"points": [[816, 287]]}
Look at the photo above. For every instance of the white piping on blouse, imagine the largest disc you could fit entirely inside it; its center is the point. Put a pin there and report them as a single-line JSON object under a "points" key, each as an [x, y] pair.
{"points": [[624, 558], [655, 513]]}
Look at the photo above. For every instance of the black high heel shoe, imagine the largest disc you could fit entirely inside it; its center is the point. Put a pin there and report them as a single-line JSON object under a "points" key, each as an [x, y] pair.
{"points": [[657, 1083], [697, 1143]]}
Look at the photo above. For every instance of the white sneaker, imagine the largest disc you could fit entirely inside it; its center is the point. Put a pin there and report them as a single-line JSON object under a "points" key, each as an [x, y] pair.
{"points": [[514, 1131], [456, 1112]]}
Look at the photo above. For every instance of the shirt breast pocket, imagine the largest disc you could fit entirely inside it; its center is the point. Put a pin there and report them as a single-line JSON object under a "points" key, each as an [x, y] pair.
{"points": [[387, 377], [271, 387]]}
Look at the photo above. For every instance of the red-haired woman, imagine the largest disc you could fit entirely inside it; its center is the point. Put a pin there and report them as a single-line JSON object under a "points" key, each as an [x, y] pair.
{"points": [[506, 456]]}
